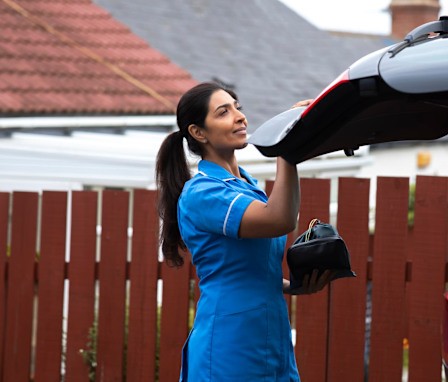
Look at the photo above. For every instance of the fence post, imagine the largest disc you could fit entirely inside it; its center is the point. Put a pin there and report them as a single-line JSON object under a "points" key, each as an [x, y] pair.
{"points": [[174, 322], [4, 217], [141, 358], [426, 301], [112, 283], [289, 241], [312, 311], [81, 276], [51, 287], [20, 289], [347, 317], [388, 290]]}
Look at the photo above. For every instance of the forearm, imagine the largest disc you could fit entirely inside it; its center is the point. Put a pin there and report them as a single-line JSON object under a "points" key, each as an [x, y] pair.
{"points": [[284, 201], [278, 216]]}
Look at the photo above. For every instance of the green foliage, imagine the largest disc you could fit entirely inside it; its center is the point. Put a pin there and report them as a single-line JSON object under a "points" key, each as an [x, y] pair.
{"points": [[406, 358], [89, 354]]}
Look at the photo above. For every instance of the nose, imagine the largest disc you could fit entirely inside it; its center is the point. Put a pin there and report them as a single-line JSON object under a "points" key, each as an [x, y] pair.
{"points": [[240, 115]]}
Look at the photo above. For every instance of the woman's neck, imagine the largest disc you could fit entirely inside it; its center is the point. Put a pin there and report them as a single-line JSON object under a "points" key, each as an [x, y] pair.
{"points": [[230, 163]]}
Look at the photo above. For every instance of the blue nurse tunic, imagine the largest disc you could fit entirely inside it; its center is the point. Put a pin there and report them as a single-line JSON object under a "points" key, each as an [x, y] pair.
{"points": [[241, 330]]}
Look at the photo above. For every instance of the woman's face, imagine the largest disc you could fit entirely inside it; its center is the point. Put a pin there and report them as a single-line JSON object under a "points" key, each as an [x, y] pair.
{"points": [[225, 124]]}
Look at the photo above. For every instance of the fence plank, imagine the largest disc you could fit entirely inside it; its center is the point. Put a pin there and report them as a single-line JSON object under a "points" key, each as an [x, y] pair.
{"points": [[81, 282], [20, 289], [388, 292], [141, 355], [428, 277], [4, 216], [312, 311], [51, 287], [289, 241], [348, 296], [112, 279], [174, 325]]}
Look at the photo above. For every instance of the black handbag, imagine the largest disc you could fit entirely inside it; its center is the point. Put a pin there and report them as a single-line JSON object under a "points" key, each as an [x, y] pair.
{"points": [[320, 247]]}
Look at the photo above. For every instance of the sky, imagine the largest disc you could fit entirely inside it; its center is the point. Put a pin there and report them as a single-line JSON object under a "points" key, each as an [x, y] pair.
{"points": [[360, 16]]}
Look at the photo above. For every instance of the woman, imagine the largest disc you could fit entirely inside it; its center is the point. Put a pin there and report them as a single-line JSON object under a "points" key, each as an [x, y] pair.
{"points": [[236, 237]]}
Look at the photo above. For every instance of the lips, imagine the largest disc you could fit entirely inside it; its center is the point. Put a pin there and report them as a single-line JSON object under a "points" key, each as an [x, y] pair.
{"points": [[241, 131]]}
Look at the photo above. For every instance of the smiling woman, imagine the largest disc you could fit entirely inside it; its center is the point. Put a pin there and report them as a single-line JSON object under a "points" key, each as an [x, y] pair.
{"points": [[225, 132], [235, 235]]}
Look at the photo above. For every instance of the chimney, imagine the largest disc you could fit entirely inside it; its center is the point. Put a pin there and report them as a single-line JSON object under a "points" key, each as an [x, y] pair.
{"points": [[408, 14]]}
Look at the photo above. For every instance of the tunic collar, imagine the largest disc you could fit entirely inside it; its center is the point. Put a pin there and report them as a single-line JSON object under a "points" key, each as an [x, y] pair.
{"points": [[212, 169]]}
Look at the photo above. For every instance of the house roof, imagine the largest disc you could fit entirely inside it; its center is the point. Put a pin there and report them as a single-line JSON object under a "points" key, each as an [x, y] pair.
{"points": [[271, 55], [72, 57]]}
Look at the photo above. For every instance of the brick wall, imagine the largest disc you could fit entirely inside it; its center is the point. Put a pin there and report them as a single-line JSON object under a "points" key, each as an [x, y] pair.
{"points": [[406, 15]]}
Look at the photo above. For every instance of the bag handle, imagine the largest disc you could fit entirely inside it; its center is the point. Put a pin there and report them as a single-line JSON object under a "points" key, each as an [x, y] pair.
{"points": [[310, 226]]}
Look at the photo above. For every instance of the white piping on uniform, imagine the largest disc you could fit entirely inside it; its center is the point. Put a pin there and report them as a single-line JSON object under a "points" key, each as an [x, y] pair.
{"points": [[228, 213], [202, 173]]}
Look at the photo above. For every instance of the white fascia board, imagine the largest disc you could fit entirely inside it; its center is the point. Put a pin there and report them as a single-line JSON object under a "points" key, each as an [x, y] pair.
{"points": [[85, 145], [11, 185], [37, 153], [92, 179], [83, 122]]}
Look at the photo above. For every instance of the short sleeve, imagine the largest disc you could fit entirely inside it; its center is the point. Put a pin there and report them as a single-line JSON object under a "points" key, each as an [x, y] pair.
{"points": [[212, 205]]}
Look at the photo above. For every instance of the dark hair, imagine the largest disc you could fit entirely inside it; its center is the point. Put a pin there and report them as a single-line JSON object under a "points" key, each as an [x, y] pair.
{"points": [[172, 170]]}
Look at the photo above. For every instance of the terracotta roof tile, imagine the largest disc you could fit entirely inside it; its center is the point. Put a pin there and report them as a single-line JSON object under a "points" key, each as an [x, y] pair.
{"points": [[73, 57]]}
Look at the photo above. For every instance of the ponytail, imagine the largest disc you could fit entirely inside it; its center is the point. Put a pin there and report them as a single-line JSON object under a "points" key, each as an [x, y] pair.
{"points": [[172, 172]]}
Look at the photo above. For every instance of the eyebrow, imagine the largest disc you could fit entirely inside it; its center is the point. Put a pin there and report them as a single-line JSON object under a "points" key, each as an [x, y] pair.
{"points": [[226, 105]]}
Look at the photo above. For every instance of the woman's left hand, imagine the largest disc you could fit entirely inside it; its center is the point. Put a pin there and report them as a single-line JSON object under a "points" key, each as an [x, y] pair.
{"points": [[311, 283]]}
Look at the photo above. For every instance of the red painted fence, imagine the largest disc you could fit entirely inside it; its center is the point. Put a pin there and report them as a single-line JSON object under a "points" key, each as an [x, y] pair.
{"points": [[78, 286]]}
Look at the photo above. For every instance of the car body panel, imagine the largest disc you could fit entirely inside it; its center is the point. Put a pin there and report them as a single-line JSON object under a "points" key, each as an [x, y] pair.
{"points": [[395, 94], [367, 66], [421, 68]]}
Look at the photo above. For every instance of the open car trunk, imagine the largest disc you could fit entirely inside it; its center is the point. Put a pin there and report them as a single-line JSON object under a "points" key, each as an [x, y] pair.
{"points": [[395, 94]]}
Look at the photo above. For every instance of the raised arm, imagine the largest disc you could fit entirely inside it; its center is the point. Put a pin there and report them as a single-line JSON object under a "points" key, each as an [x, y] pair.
{"points": [[279, 215]]}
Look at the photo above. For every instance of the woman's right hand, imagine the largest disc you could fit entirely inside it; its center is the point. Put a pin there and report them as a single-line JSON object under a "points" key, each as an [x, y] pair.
{"points": [[304, 102]]}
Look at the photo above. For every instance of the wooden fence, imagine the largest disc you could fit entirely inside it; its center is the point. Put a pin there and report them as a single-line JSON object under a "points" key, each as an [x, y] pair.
{"points": [[109, 287]]}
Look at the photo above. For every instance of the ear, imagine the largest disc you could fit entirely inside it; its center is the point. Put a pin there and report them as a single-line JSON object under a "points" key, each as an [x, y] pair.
{"points": [[197, 133]]}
